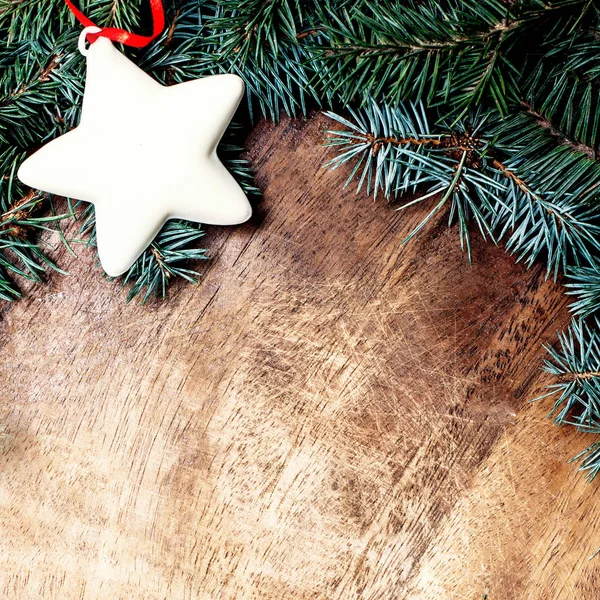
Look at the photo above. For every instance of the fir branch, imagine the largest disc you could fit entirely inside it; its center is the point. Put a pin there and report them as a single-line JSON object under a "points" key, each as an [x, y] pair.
{"points": [[562, 84], [265, 44], [549, 208], [501, 188], [21, 252], [398, 154], [590, 457], [419, 51], [165, 260], [575, 362], [562, 138]]}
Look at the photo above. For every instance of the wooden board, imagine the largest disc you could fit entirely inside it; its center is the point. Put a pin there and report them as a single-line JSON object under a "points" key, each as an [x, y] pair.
{"points": [[330, 414]]}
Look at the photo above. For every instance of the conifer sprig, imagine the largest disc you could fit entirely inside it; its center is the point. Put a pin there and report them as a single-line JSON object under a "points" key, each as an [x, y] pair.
{"points": [[265, 43], [486, 169], [20, 253], [575, 363]]}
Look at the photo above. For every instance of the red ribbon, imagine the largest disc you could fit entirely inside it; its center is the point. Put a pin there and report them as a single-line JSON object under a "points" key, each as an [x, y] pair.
{"points": [[120, 35]]}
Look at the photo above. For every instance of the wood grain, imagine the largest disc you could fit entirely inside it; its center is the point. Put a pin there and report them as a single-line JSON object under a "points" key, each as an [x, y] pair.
{"points": [[330, 414]]}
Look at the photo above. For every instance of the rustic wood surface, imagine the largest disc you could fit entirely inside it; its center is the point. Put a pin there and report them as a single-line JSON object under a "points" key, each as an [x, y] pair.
{"points": [[330, 414]]}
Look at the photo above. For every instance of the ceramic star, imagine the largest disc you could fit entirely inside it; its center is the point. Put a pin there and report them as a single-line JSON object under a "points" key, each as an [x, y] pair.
{"points": [[143, 153]]}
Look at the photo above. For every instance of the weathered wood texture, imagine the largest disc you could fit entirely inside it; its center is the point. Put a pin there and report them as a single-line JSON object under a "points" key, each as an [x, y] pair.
{"points": [[330, 414]]}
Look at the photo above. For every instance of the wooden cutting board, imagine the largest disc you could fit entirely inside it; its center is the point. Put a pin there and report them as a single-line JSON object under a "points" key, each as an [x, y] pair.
{"points": [[330, 414]]}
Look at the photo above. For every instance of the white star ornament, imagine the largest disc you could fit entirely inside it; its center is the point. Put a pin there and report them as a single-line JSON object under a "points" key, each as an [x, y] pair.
{"points": [[143, 153]]}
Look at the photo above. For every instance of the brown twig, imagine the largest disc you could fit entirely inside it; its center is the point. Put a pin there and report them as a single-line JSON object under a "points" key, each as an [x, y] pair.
{"points": [[508, 173], [452, 144], [17, 213], [45, 74], [523, 187], [304, 34], [160, 259], [568, 377], [564, 140], [171, 30], [14, 210], [43, 77]]}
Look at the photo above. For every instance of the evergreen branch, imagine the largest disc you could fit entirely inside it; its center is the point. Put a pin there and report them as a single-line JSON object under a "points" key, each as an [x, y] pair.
{"points": [[265, 44], [21, 253], [576, 365], [398, 154], [502, 189], [562, 84], [590, 457], [575, 362], [562, 138], [165, 260], [549, 208], [419, 51]]}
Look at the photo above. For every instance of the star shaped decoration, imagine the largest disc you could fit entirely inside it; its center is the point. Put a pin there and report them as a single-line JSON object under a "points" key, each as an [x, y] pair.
{"points": [[143, 153]]}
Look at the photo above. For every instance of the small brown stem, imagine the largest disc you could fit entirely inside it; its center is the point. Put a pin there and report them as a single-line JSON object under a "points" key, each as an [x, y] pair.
{"points": [[160, 259], [45, 75], [568, 377], [523, 187], [508, 173], [545, 123], [304, 34], [171, 30], [377, 142], [9, 219], [395, 141], [14, 209], [452, 143]]}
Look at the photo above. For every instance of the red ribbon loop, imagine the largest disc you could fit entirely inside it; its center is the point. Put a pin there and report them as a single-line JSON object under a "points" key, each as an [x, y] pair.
{"points": [[120, 35]]}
